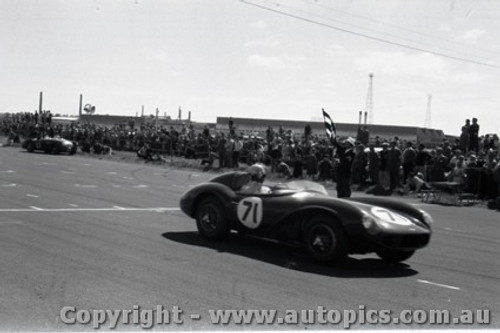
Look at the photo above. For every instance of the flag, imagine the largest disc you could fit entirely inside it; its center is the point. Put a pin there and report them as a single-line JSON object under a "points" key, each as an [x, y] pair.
{"points": [[331, 132]]}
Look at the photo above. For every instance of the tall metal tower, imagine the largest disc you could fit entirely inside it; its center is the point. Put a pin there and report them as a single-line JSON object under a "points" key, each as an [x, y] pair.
{"points": [[427, 123], [369, 99]]}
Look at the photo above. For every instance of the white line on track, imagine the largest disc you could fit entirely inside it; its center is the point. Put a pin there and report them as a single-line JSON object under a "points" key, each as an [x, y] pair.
{"points": [[32, 195], [456, 230], [9, 185], [11, 222], [439, 284], [73, 205], [140, 186], [106, 209], [7, 171]]}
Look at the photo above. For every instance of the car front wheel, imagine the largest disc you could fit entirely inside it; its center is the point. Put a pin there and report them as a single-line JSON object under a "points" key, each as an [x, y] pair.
{"points": [[30, 147], [211, 219], [325, 240], [394, 255]]}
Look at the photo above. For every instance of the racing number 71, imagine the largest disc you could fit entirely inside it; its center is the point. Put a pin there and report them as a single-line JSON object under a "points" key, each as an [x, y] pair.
{"points": [[250, 206]]}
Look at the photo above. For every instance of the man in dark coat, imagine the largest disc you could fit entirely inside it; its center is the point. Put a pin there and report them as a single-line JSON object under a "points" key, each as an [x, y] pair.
{"points": [[345, 154]]}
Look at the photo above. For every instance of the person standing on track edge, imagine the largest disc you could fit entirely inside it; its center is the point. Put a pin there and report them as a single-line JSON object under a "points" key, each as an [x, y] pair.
{"points": [[345, 154]]}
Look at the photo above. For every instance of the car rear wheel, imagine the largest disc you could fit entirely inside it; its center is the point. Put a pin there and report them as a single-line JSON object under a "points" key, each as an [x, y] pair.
{"points": [[394, 255], [211, 220], [325, 240]]}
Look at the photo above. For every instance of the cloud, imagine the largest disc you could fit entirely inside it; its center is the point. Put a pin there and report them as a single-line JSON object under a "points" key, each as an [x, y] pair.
{"points": [[275, 62], [470, 77], [268, 42], [402, 64], [473, 35], [260, 25], [444, 27], [334, 49], [159, 55]]}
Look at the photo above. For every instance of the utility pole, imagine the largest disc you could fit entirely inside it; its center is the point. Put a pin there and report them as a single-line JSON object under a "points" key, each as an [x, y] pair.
{"points": [[80, 107], [427, 123], [369, 99], [40, 102]]}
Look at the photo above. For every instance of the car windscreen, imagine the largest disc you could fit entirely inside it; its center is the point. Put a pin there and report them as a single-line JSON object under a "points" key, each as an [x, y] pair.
{"points": [[302, 185]]}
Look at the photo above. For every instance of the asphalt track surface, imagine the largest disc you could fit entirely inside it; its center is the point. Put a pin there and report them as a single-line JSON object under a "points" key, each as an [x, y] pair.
{"points": [[99, 234]]}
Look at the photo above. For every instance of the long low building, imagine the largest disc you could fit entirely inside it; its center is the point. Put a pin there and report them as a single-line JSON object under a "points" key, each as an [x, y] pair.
{"points": [[252, 126]]}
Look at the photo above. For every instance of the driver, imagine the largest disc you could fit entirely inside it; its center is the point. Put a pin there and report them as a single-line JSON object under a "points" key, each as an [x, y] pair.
{"points": [[257, 173]]}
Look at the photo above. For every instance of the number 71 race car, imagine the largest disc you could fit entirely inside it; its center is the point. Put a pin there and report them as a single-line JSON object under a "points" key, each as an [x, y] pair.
{"points": [[302, 212]]}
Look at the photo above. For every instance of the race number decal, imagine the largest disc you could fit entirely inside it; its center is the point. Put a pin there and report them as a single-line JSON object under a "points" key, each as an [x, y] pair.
{"points": [[250, 212]]}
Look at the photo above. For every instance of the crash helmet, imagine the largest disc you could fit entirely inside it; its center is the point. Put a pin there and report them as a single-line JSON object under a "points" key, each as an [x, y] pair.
{"points": [[257, 172]]}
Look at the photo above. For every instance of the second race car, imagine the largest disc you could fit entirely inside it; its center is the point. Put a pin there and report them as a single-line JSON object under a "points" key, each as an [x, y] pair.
{"points": [[50, 145]]}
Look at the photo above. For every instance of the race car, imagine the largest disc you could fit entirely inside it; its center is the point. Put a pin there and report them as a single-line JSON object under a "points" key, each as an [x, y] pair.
{"points": [[50, 145], [302, 213]]}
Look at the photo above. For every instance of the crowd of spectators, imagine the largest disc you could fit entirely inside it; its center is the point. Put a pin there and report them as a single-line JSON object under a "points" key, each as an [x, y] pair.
{"points": [[392, 164]]}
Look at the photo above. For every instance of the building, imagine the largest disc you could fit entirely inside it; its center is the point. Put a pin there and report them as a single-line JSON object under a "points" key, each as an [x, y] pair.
{"points": [[251, 126]]}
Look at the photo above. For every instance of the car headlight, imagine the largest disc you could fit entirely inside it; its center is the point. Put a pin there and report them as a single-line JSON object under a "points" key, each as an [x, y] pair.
{"points": [[385, 216], [370, 223], [427, 217]]}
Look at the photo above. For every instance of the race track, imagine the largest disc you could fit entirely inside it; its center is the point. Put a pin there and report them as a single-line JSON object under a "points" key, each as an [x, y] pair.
{"points": [[99, 234]]}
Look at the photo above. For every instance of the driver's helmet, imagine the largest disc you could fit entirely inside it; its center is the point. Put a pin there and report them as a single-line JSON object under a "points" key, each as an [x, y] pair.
{"points": [[257, 172]]}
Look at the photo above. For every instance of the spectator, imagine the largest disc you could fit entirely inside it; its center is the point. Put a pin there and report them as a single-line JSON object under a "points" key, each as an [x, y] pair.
{"points": [[311, 164], [359, 164], [238, 146], [373, 165], [384, 172], [422, 161], [409, 160], [346, 156], [394, 165], [457, 174], [221, 150], [464, 140], [325, 167], [439, 164], [474, 136], [298, 167]]}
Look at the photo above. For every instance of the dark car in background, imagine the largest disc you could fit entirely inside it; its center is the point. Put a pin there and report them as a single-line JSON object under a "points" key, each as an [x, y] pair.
{"points": [[50, 145]]}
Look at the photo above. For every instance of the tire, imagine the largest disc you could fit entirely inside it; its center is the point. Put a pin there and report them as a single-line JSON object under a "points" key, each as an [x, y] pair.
{"points": [[211, 219], [395, 255], [31, 147], [325, 240], [73, 149]]}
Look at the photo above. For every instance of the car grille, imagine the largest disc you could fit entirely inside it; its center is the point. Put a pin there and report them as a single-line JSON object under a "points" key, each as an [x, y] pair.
{"points": [[406, 241]]}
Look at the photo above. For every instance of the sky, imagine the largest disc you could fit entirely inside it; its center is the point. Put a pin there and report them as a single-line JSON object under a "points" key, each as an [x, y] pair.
{"points": [[272, 59]]}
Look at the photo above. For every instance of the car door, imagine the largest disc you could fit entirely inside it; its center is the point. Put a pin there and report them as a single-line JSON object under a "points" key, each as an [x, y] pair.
{"points": [[256, 213]]}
